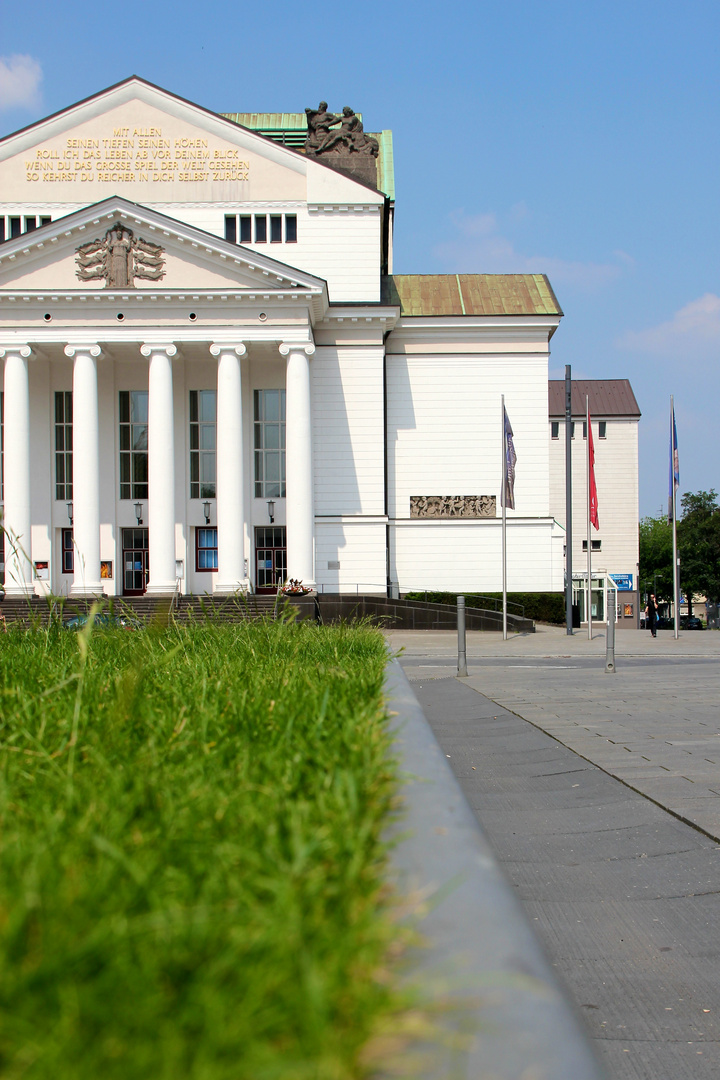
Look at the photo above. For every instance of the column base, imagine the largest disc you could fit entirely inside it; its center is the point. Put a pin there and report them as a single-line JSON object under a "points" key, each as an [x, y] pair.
{"points": [[227, 588], [160, 588], [88, 589], [20, 592]]}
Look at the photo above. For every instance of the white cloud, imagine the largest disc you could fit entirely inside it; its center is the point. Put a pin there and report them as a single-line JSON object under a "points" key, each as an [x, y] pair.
{"points": [[692, 333], [481, 247], [20, 78]]}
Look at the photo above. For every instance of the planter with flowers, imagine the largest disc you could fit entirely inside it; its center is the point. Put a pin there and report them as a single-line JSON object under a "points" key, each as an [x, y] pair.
{"points": [[294, 587]]}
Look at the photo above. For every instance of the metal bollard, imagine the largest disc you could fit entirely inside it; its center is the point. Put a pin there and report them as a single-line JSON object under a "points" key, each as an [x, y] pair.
{"points": [[610, 640], [462, 659]]}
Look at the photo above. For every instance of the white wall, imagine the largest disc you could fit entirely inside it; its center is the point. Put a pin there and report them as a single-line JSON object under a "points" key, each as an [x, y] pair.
{"points": [[466, 555], [444, 428], [347, 402], [359, 548]]}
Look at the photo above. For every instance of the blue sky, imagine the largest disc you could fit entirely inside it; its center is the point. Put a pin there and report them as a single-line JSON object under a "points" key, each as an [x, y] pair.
{"points": [[577, 140]]}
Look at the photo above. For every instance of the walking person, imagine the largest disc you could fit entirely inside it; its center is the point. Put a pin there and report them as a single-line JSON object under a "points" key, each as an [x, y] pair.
{"points": [[651, 614]]}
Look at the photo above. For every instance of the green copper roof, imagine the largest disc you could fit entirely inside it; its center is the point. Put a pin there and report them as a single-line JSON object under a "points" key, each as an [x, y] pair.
{"points": [[290, 129], [470, 294]]}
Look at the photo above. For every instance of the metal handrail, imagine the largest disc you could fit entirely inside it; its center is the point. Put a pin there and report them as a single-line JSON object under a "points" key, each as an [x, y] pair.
{"points": [[365, 586]]}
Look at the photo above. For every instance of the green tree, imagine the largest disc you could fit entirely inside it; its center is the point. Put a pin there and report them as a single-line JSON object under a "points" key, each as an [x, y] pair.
{"points": [[656, 557], [699, 544]]}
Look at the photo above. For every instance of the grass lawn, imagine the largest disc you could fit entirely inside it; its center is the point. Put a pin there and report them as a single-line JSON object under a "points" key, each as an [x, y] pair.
{"points": [[190, 857]]}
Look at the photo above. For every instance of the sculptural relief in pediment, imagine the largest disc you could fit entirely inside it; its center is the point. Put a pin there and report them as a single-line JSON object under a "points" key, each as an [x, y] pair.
{"points": [[118, 258]]}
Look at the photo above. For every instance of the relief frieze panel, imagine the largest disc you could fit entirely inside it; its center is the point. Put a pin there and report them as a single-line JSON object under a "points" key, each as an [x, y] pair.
{"points": [[453, 506]]}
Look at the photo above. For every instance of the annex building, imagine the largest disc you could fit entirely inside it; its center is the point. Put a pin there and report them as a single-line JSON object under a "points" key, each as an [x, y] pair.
{"points": [[213, 381], [615, 555]]}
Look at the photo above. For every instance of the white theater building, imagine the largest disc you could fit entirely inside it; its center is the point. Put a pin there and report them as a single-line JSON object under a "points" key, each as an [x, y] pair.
{"points": [[213, 381]]}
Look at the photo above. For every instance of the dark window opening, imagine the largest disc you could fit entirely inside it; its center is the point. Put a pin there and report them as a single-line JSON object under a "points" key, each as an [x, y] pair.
{"points": [[30, 224], [245, 230], [602, 429], [291, 229], [45, 220], [231, 228], [555, 429], [2, 230], [260, 229], [596, 545], [275, 229], [14, 227]]}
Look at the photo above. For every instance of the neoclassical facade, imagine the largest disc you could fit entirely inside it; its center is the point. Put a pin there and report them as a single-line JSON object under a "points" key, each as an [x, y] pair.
{"points": [[213, 381]]}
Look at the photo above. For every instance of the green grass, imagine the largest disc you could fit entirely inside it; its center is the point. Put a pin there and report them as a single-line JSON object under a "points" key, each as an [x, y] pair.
{"points": [[190, 856]]}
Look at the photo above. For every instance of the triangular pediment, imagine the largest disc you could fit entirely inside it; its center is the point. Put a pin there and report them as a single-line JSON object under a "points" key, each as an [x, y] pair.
{"points": [[84, 252], [150, 146]]}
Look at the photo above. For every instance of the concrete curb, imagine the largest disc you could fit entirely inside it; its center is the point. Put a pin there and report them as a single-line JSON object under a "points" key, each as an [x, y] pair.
{"points": [[480, 953]]}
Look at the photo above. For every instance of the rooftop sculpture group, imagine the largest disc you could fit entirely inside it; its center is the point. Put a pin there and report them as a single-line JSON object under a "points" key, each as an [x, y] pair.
{"points": [[321, 139]]}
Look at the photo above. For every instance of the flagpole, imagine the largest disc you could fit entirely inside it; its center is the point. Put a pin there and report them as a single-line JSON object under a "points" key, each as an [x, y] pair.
{"points": [[589, 541], [503, 491], [568, 502], [676, 576]]}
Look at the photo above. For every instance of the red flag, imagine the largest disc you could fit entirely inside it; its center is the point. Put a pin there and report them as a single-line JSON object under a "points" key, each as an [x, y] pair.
{"points": [[594, 519]]}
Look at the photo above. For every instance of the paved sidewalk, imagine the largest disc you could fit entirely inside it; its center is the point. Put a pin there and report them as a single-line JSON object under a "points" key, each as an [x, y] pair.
{"points": [[654, 724], [624, 897], [571, 772]]}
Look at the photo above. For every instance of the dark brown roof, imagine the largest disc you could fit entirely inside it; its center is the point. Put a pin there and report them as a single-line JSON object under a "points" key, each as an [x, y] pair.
{"points": [[608, 397], [470, 294]]}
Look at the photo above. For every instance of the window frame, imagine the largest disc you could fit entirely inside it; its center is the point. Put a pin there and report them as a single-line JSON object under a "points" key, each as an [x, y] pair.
{"points": [[263, 453], [199, 453], [200, 531], [67, 551], [554, 429], [138, 489], [63, 429]]}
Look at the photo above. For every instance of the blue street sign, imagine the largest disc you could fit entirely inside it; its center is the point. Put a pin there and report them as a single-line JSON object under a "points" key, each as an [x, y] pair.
{"points": [[624, 582]]}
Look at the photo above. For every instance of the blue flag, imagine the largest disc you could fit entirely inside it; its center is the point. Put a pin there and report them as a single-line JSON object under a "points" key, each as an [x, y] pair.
{"points": [[509, 457], [674, 464]]}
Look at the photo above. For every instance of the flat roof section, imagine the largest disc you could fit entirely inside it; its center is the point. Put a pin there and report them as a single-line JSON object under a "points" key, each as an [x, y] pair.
{"points": [[470, 294]]}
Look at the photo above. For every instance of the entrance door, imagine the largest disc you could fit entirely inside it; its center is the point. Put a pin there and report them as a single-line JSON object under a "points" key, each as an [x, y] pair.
{"points": [[270, 558], [136, 561]]}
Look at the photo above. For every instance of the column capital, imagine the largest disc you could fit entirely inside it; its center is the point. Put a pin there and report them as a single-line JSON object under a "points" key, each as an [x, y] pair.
{"points": [[286, 347], [148, 348], [239, 349], [15, 350], [90, 349]]}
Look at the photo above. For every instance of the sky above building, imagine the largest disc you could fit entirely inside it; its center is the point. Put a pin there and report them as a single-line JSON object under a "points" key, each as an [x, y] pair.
{"points": [[564, 138]]}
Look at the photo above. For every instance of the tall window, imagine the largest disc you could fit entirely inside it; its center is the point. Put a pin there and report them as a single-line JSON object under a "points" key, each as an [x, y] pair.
{"points": [[133, 444], [203, 427], [206, 549], [269, 444], [63, 444]]}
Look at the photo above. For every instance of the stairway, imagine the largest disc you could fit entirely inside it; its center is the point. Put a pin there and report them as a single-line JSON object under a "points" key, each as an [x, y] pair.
{"points": [[38, 611]]}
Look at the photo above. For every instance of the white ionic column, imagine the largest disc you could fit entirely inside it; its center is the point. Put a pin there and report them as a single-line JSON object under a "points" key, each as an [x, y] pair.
{"points": [[86, 471], [16, 514], [161, 468], [299, 509], [231, 574]]}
